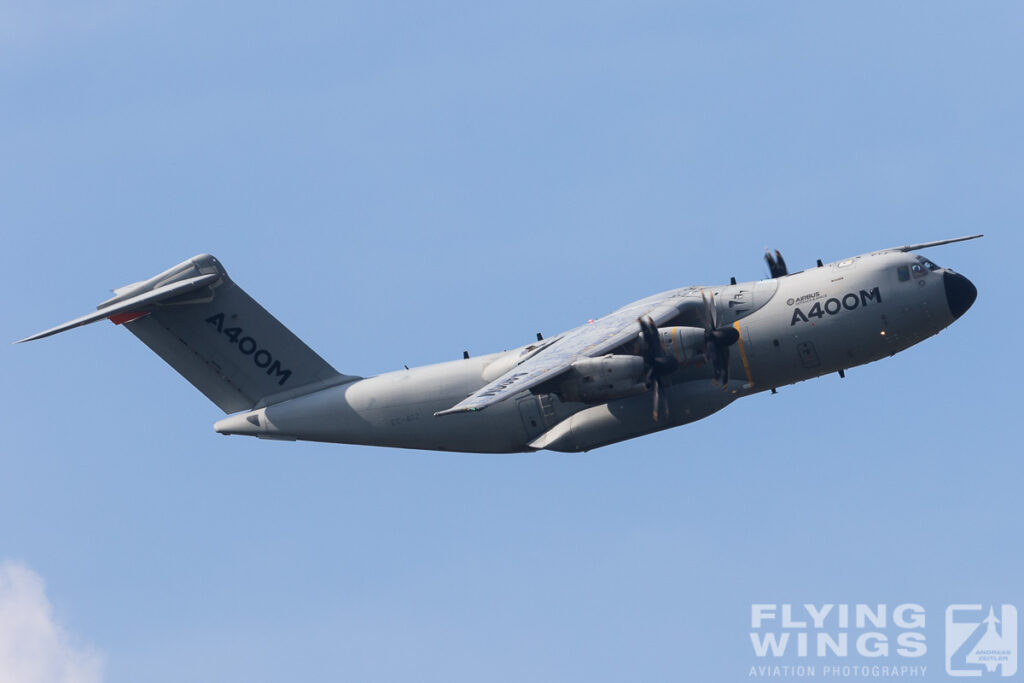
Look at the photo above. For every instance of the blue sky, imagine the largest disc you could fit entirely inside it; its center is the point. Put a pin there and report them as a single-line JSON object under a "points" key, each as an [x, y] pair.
{"points": [[399, 182]]}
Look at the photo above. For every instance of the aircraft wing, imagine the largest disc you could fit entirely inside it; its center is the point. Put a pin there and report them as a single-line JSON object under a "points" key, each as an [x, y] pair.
{"points": [[593, 339]]}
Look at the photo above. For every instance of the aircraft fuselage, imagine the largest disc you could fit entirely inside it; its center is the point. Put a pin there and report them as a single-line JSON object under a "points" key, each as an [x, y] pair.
{"points": [[792, 328]]}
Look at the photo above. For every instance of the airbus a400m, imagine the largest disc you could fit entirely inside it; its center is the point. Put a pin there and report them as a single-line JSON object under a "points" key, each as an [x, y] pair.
{"points": [[660, 362]]}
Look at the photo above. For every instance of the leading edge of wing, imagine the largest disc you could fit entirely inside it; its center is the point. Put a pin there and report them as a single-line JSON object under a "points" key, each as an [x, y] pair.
{"points": [[592, 339]]}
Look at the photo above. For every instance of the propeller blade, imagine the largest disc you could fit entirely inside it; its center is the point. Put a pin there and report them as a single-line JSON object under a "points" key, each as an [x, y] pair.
{"points": [[649, 333], [709, 350], [658, 364], [782, 262], [710, 311], [722, 368], [776, 264], [726, 336], [657, 397], [663, 401], [716, 346]]}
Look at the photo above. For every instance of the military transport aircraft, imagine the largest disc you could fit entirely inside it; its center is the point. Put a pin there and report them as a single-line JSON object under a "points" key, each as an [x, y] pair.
{"points": [[656, 363]]}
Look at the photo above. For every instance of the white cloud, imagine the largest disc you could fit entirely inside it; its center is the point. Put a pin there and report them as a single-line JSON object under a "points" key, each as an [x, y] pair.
{"points": [[33, 646]]}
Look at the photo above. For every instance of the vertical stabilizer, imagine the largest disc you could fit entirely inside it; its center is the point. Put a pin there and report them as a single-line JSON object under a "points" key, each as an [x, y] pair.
{"points": [[216, 336]]}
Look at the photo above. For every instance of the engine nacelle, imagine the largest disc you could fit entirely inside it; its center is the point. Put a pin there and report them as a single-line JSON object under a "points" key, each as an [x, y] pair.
{"points": [[605, 378], [686, 344], [620, 420]]}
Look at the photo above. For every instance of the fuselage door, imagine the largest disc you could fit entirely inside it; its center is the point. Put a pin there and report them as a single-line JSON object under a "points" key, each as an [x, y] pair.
{"points": [[808, 354], [529, 411]]}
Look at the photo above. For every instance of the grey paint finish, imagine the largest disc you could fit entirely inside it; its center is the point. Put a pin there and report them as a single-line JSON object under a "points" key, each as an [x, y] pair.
{"points": [[791, 328], [585, 341], [395, 409], [226, 344]]}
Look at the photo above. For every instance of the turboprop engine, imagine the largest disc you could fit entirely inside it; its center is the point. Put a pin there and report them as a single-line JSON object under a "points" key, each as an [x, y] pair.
{"points": [[605, 378], [657, 354], [685, 344]]}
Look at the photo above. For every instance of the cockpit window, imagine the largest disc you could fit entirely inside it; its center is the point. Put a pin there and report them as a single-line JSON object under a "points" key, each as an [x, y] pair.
{"points": [[918, 270], [904, 273], [926, 263]]}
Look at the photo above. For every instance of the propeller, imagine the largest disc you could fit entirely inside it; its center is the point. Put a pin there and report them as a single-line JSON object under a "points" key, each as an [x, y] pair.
{"points": [[776, 264], [658, 363], [717, 340]]}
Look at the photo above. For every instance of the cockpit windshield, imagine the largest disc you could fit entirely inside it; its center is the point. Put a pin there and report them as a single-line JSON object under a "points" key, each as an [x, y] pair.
{"points": [[919, 268]]}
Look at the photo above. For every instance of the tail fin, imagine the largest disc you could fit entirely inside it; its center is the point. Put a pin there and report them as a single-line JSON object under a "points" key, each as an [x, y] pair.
{"points": [[213, 333]]}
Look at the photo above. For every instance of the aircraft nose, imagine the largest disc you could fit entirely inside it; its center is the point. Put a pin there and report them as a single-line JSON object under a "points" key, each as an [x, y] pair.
{"points": [[960, 293]]}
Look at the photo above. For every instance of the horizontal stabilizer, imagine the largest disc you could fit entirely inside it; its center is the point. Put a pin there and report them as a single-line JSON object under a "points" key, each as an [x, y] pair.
{"points": [[135, 304], [215, 335]]}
